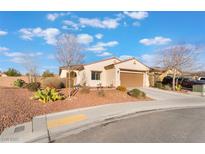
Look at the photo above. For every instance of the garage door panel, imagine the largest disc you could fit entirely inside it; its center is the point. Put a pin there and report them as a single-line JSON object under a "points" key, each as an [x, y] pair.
{"points": [[131, 79]]}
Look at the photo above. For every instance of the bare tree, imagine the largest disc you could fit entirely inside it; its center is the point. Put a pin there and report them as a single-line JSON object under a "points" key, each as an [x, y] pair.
{"points": [[181, 57], [69, 52], [31, 65]]}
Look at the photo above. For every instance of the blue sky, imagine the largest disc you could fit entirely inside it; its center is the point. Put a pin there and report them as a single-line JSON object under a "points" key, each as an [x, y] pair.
{"points": [[104, 34]]}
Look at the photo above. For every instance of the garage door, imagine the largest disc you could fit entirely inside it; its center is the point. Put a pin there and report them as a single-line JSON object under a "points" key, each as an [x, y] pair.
{"points": [[131, 79]]}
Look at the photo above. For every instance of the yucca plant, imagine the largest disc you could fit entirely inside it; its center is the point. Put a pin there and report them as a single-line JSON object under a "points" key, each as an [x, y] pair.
{"points": [[47, 95], [19, 83]]}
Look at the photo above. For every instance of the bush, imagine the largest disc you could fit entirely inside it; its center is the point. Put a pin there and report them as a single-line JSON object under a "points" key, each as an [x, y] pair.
{"points": [[121, 88], [167, 87], [158, 85], [178, 87], [47, 73], [12, 72], [136, 93], [19, 83], [52, 82], [34, 86], [47, 95]]}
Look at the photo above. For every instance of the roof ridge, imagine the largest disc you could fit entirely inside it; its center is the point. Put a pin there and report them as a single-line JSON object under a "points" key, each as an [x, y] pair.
{"points": [[102, 60], [122, 61]]}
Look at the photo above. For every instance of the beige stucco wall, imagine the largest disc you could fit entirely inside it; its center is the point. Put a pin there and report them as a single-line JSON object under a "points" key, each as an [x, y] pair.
{"points": [[108, 77], [9, 80], [111, 77], [85, 75], [98, 67], [132, 65], [168, 72], [63, 73]]}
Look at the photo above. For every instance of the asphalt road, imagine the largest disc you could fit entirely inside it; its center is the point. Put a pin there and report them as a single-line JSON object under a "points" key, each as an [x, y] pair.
{"points": [[181, 125]]}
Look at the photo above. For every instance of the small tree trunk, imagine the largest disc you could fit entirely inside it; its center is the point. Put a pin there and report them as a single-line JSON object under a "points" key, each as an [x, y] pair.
{"points": [[69, 85], [67, 81], [173, 83], [30, 78]]}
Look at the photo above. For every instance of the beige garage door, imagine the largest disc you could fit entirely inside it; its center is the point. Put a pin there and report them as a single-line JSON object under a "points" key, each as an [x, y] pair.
{"points": [[131, 79]]}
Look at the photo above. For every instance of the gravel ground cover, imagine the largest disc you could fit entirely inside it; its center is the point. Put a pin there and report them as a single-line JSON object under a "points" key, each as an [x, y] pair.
{"points": [[16, 106]]}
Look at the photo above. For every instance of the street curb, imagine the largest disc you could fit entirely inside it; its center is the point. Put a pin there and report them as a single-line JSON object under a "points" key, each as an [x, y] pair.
{"points": [[110, 119], [46, 135]]}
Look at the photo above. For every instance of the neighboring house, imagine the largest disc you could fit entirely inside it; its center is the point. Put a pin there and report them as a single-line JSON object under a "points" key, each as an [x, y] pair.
{"points": [[110, 72], [194, 75], [3, 75], [158, 74]]}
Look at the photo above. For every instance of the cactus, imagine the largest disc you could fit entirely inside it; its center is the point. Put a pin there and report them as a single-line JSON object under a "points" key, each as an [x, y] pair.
{"points": [[47, 95]]}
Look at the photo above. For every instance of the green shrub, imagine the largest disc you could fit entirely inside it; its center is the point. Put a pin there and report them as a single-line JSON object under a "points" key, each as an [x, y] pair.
{"points": [[167, 87], [158, 85], [47, 73], [47, 95], [19, 83], [178, 87], [136, 93], [53, 82], [121, 88], [34, 86], [85, 90], [12, 72]]}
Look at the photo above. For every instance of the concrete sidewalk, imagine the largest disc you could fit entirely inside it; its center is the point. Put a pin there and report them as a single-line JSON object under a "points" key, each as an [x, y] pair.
{"points": [[49, 127]]}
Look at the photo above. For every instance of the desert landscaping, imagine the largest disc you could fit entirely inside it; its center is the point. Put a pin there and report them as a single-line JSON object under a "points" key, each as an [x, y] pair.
{"points": [[16, 106]]}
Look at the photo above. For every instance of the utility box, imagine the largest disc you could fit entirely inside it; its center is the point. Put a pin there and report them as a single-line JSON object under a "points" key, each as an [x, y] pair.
{"points": [[203, 90], [199, 88]]}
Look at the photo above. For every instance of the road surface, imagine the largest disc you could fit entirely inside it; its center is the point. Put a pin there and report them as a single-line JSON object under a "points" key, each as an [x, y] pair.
{"points": [[181, 125]]}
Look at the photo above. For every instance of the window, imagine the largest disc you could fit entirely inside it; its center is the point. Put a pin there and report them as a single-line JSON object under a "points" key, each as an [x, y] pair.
{"points": [[95, 75]]}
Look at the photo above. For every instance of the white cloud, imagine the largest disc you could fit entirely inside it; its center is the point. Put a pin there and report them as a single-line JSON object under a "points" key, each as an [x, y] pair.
{"points": [[108, 44], [137, 15], [158, 40], [3, 33], [104, 54], [49, 34], [3, 49], [136, 23], [120, 16], [51, 56], [84, 38], [99, 36], [97, 23], [54, 16], [19, 57], [96, 48], [149, 59], [101, 46], [68, 24], [123, 57]]}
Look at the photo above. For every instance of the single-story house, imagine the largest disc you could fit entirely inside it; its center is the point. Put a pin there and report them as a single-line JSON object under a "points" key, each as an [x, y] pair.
{"points": [[158, 74], [3, 75], [110, 72]]}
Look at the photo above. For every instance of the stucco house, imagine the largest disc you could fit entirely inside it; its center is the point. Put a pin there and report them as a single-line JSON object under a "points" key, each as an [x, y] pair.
{"points": [[158, 74], [3, 75], [110, 72]]}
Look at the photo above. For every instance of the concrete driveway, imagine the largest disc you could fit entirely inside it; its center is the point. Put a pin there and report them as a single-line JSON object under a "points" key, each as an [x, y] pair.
{"points": [[159, 94]]}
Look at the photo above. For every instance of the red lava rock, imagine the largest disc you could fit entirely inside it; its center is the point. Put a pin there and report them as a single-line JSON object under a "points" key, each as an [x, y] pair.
{"points": [[16, 106]]}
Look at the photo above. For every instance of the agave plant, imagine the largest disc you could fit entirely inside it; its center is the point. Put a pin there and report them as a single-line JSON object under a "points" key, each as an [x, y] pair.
{"points": [[47, 95]]}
